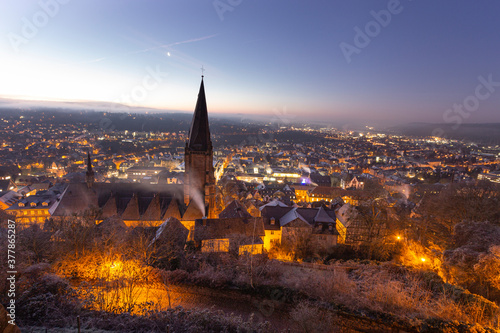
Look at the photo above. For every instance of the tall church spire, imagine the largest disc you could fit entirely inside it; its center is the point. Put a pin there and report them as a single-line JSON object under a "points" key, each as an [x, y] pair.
{"points": [[89, 176], [199, 133], [199, 179]]}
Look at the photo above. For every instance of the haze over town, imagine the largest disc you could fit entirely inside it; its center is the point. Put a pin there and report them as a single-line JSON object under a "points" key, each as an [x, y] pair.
{"points": [[378, 62]]}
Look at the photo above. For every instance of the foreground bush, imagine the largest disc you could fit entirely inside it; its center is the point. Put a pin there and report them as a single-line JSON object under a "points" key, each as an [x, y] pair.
{"points": [[52, 302]]}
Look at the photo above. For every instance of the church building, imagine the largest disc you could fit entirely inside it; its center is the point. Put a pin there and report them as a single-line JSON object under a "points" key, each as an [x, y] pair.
{"points": [[151, 204], [199, 177]]}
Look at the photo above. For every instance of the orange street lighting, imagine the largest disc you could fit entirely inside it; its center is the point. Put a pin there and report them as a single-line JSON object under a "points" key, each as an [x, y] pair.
{"points": [[423, 259]]}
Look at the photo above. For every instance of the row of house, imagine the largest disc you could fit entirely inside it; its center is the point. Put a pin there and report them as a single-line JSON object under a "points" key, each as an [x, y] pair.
{"points": [[275, 223]]}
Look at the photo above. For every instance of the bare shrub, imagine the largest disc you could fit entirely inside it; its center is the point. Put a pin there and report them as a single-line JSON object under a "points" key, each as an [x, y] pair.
{"points": [[215, 277], [339, 287], [51, 296], [311, 319], [395, 290]]}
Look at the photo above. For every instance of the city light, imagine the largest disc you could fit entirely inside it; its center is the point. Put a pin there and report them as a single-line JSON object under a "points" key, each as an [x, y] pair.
{"points": [[364, 183]]}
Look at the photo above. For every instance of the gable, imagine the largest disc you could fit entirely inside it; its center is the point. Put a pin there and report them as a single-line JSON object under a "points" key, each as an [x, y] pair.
{"points": [[297, 223]]}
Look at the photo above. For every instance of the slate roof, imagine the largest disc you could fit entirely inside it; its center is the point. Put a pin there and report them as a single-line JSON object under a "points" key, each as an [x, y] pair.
{"points": [[171, 230], [131, 212], [173, 210], [274, 203], [199, 133], [292, 215], [154, 211], [234, 210], [4, 185], [224, 228], [109, 209], [319, 218], [10, 197], [275, 211], [324, 216], [193, 212], [327, 191], [131, 201], [33, 202]]}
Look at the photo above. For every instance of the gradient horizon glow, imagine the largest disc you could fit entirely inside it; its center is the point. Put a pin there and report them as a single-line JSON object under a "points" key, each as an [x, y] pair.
{"points": [[259, 56]]}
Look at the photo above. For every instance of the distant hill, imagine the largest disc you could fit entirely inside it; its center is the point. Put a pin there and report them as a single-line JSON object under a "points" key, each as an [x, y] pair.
{"points": [[488, 133]]}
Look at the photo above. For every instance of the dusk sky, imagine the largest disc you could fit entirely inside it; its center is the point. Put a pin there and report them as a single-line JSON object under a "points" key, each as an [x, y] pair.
{"points": [[412, 61]]}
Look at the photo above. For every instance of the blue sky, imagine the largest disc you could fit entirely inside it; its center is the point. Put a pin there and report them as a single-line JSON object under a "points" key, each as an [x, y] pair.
{"points": [[259, 56]]}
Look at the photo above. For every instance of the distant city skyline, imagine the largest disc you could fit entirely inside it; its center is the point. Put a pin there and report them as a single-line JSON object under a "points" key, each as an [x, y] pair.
{"points": [[383, 62]]}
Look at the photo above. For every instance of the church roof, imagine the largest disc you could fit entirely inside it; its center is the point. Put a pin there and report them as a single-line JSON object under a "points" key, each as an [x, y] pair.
{"points": [[199, 133], [173, 210], [153, 212], [128, 200], [131, 212], [76, 198], [193, 212], [109, 209]]}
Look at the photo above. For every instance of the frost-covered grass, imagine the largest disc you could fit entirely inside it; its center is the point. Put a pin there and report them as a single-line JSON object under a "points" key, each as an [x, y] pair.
{"points": [[403, 293]]}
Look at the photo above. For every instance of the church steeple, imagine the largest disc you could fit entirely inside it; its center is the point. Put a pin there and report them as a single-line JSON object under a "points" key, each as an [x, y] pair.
{"points": [[89, 176], [199, 179], [199, 133]]}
